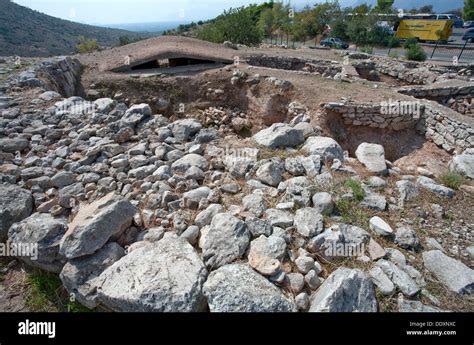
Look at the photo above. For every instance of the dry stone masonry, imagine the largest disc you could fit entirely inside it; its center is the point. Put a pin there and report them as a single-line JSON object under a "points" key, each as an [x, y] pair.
{"points": [[221, 209]]}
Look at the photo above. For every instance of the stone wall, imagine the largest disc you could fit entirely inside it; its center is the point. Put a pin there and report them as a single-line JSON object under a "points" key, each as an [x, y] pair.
{"points": [[378, 115], [323, 67], [61, 74], [455, 94], [446, 128]]}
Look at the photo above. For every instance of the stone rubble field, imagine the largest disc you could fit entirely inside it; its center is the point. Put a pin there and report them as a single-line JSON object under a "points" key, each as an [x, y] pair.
{"points": [[136, 212]]}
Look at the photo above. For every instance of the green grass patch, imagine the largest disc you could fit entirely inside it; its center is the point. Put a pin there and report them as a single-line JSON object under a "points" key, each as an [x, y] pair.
{"points": [[356, 188], [451, 179], [47, 294], [351, 213]]}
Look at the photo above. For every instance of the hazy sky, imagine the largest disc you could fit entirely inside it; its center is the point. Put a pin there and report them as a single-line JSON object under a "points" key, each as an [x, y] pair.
{"points": [[139, 11]]}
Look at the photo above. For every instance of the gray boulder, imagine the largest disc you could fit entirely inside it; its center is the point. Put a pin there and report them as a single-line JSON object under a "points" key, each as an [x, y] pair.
{"points": [[190, 160], [279, 218], [78, 275], [399, 277], [205, 217], [165, 276], [15, 205], [308, 221], [464, 163], [226, 240], [452, 273], [269, 173], [326, 147], [135, 115], [254, 203], [13, 145], [238, 288], [183, 129], [95, 224], [407, 238], [432, 186], [279, 135], [373, 157], [345, 290], [266, 254], [41, 233]]}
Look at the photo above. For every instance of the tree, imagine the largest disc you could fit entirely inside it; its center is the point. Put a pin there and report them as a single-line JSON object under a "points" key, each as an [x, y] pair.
{"points": [[236, 25], [323, 15], [426, 9], [87, 45], [468, 9], [384, 6]]}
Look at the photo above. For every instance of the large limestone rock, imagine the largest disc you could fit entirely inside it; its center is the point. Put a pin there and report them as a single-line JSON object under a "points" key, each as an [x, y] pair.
{"points": [[13, 145], [399, 277], [325, 147], [183, 129], [345, 290], [226, 240], [432, 186], [78, 275], [269, 173], [308, 221], [15, 205], [164, 276], [95, 224], [279, 135], [451, 272], [135, 115], [238, 288], [44, 232], [190, 160], [373, 157], [266, 254], [464, 163]]}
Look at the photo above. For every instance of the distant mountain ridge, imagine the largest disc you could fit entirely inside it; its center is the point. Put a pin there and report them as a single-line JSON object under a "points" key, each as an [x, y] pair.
{"points": [[439, 6], [26, 32]]}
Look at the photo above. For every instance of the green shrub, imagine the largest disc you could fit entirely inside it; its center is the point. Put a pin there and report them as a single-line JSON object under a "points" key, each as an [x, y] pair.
{"points": [[416, 53], [410, 42], [367, 50], [451, 179], [356, 188], [393, 42], [87, 45]]}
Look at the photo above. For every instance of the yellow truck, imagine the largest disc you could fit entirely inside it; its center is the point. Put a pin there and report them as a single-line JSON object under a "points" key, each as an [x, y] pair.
{"points": [[425, 29]]}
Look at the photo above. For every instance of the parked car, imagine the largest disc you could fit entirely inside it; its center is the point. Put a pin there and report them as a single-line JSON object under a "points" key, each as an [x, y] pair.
{"points": [[468, 24], [458, 22], [334, 42], [468, 36]]}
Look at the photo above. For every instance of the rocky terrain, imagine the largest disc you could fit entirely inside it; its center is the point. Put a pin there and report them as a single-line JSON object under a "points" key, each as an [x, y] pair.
{"points": [[242, 195]]}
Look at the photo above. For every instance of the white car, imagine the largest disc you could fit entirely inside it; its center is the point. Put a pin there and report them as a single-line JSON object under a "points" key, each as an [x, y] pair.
{"points": [[468, 24]]}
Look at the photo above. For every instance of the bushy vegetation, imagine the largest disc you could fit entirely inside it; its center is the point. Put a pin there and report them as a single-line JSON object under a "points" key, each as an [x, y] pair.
{"points": [[356, 188], [238, 25], [451, 179], [87, 45], [124, 40], [468, 10], [46, 293], [415, 53]]}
